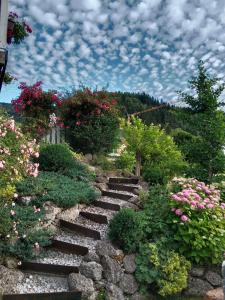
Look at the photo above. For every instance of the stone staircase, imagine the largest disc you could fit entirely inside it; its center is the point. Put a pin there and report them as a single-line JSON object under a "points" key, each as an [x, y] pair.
{"points": [[47, 277]]}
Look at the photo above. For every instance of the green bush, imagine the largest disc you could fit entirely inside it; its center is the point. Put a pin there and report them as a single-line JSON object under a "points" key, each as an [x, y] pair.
{"points": [[104, 162], [163, 270], [59, 158], [61, 190], [20, 231], [126, 229], [126, 161]]}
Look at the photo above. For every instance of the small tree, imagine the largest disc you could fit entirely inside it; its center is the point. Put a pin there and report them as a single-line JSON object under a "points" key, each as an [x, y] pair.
{"points": [[155, 151], [206, 121]]}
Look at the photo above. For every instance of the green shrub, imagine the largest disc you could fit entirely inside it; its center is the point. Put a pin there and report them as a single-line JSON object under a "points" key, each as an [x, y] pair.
{"points": [[21, 234], [92, 121], [61, 190], [126, 161], [126, 229], [161, 269], [59, 158], [104, 162]]}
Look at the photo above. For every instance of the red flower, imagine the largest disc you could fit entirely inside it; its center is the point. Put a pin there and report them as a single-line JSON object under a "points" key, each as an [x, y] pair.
{"points": [[78, 123]]}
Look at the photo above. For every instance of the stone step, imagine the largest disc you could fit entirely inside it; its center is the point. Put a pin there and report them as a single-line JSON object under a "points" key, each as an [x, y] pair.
{"points": [[71, 241], [38, 267], [107, 205], [117, 195], [132, 180], [98, 218], [44, 296], [109, 214], [69, 247], [123, 187], [81, 229]]}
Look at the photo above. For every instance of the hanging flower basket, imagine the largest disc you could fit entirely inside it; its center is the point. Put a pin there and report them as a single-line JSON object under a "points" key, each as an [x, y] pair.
{"points": [[17, 29]]}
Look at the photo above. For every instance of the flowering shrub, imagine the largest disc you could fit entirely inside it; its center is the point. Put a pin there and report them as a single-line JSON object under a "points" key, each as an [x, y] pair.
{"points": [[198, 216], [92, 121], [15, 157], [18, 29], [37, 108]]}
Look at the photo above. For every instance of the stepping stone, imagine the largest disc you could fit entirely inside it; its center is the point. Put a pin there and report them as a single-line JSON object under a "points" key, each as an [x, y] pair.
{"points": [[98, 218], [81, 229], [123, 187], [117, 195], [45, 296], [131, 180]]}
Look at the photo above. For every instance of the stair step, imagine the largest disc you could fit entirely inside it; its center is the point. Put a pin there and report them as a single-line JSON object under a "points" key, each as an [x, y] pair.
{"points": [[80, 229], [122, 187], [45, 296], [98, 218], [107, 205], [69, 247], [132, 180], [116, 195], [48, 268]]}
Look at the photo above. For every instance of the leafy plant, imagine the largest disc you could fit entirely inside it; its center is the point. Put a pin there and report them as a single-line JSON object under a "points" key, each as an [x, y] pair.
{"points": [[104, 162], [126, 229], [126, 161], [162, 269], [60, 189], [19, 31]]}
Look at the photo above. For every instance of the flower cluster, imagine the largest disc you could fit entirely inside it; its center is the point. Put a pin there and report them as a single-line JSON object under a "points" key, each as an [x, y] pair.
{"points": [[17, 29], [79, 108], [36, 106], [15, 155], [194, 197]]}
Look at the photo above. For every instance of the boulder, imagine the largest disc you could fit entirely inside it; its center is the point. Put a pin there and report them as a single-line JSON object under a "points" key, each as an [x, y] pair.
{"points": [[91, 256], [79, 283], [51, 211], [105, 249], [128, 284], [129, 263], [214, 278], [113, 292], [111, 269], [11, 262], [9, 279], [197, 287], [71, 214], [91, 270], [101, 186], [216, 294], [197, 272]]}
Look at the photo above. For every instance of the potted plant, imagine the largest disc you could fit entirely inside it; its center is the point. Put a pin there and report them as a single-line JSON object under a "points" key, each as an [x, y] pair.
{"points": [[17, 29]]}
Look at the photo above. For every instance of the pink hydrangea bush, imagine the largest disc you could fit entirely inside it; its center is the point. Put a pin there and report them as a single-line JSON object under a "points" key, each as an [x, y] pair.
{"points": [[16, 154], [199, 217]]}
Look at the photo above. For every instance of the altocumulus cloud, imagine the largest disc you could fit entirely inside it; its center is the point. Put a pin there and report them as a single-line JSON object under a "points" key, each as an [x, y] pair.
{"points": [[150, 45]]}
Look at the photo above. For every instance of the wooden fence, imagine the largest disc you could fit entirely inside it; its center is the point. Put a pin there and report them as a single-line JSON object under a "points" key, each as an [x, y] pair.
{"points": [[55, 136]]}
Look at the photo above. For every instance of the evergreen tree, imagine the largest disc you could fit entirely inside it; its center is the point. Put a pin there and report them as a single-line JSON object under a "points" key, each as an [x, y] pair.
{"points": [[207, 122]]}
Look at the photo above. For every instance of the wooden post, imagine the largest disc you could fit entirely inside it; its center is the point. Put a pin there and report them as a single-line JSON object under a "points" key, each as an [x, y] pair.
{"points": [[138, 164], [3, 23]]}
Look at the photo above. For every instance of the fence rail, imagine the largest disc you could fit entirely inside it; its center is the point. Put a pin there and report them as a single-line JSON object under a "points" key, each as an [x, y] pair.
{"points": [[55, 136]]}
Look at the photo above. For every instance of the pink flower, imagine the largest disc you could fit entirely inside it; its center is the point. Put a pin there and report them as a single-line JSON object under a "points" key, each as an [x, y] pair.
{"points": [[184, 218], [178, 212], [210, 205], [2, 165]]}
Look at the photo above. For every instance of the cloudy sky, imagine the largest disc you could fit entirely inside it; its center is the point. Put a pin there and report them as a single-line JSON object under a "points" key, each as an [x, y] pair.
{"points": [[129, 45]]}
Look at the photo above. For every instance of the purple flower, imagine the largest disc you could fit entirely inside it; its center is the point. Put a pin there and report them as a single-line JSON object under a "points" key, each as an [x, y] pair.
{"points": [[184, 218]]}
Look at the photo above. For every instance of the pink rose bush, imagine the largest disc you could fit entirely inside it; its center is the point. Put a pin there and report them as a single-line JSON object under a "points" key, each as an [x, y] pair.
{"points": [[16, 154], [199, 218]]}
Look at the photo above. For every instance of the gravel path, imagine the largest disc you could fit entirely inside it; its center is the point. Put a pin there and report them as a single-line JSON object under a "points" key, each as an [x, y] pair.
{"points": [[35, 283], [60, 258], [121, 192], [120, 202], [98, 210]]}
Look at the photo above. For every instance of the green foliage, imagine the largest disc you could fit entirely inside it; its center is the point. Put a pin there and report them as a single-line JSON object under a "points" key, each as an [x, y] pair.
{"points": [[59, 158], [20, 232], [126, 229], [61, 190], [162, 269], [101, 294], [92, 121], [126, 161], [104, 162], [161, 159], [207, 123]]}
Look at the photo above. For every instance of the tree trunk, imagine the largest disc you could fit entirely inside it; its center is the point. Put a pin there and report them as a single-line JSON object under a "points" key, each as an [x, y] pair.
{"points": [[138, 164]]}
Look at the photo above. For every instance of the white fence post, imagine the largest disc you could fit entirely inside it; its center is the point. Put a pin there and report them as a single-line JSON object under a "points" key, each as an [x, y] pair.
{"points": [[55, 136]]}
